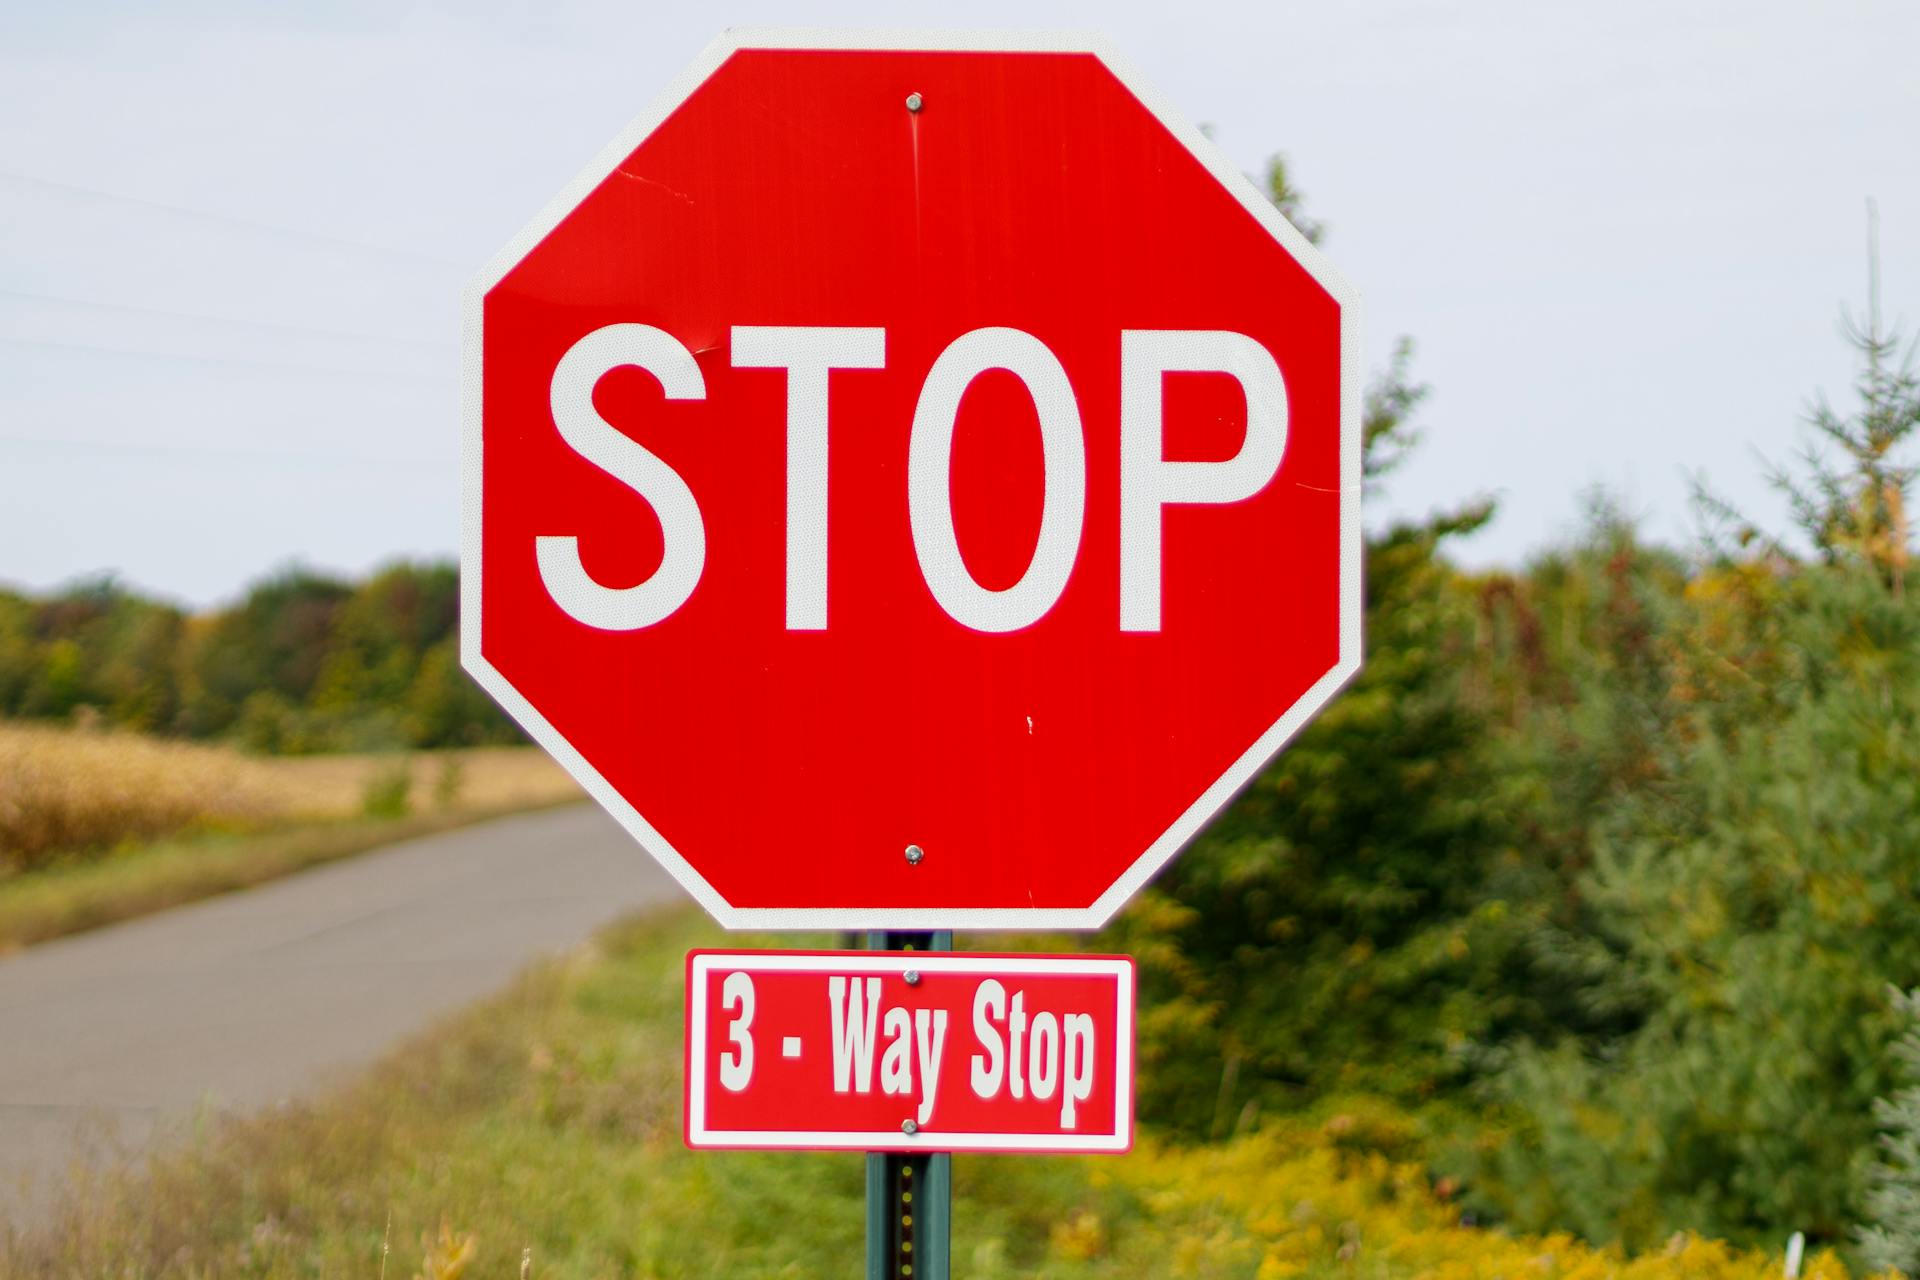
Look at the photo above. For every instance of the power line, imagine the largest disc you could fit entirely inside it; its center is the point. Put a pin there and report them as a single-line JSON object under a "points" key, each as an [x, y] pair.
{"points": [[279, 326], [27, 179], [320, 370], [106, 448]]}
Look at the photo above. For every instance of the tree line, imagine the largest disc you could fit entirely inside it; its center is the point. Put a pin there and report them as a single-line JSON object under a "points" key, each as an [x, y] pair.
{"points": [[304, 662]]}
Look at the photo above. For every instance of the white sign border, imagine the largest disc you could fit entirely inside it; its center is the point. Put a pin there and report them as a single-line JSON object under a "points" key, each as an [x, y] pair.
{"points": [[1210, 801], [702, 964]]}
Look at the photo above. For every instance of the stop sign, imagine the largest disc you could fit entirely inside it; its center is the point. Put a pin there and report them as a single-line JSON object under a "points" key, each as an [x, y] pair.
{"points": [[911, 483]]}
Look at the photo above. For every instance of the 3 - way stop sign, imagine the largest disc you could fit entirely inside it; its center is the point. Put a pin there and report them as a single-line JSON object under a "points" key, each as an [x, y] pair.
{"points": [[911, 484]]}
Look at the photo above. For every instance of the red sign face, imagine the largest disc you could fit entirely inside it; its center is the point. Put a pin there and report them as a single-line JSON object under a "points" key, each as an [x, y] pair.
{"points": [[903, 1051], [911, 487]]}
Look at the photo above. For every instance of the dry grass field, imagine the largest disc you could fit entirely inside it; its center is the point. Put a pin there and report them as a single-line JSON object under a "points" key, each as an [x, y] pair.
{"points": [[98, 825], [67, 791]]}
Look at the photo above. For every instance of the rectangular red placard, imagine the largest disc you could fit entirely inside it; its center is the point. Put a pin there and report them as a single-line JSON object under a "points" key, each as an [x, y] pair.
{"points": [[909, 1051]]}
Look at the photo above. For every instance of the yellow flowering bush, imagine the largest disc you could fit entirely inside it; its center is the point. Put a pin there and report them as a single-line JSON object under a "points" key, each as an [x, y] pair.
{"points": [[1342, 1198]]}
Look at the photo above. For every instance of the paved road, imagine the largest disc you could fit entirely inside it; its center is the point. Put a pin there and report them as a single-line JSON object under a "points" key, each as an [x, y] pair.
{"points": [[257, 996]]}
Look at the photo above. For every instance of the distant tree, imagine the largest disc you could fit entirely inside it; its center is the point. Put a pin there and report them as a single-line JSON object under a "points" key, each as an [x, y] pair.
{"points": [[17, 650], [1291, 201], [447, 709], [1852, 491], [304, 662], [1572, 666], [275, 641], [91, 645]]}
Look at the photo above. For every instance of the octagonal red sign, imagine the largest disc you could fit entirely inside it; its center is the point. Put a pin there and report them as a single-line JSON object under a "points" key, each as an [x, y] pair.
{"points": [[911, 482]]}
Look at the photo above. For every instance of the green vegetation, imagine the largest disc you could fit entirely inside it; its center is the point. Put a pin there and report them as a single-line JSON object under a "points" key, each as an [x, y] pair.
{"points": [[546, 1126], [1757, 899], [1607, 866], [302, 663], [389, 792], [1604, 870]]}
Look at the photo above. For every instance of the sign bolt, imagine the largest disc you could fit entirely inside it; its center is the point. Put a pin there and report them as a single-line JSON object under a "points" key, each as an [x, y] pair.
{"points": [[914, 854], [908, 1127], [913, 977], [914, 103]]}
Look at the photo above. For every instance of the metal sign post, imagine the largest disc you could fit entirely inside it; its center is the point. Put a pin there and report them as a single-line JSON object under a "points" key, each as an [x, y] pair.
{"points": [[909, 1197]]}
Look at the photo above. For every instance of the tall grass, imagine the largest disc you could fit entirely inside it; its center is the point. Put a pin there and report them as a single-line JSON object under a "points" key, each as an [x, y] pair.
{"points": [[67, 792], [474, 777]]}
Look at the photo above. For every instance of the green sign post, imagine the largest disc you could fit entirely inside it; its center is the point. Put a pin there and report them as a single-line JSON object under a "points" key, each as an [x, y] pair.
{"points": [[909, 1197]]}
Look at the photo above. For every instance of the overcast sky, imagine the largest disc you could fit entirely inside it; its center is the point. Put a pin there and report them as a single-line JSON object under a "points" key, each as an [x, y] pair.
{"points": [[232, 238]]}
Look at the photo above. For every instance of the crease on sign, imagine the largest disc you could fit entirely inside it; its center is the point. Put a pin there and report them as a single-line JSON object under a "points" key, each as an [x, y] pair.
{"points": [[654, 182], [1315, 488]]}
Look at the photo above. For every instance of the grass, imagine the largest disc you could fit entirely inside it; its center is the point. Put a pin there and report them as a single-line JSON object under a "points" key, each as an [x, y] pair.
{"points": [[72, 896], [545, 1124], [491, 778], [99, 826], [67, 791]]}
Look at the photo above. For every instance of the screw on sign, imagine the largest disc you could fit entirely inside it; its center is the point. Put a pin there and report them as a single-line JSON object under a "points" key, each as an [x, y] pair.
{"points": [[912, 483], [843, 478]]}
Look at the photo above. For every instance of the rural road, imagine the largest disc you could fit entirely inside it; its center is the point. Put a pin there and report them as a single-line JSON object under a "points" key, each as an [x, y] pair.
{"points": [[254, 997]]}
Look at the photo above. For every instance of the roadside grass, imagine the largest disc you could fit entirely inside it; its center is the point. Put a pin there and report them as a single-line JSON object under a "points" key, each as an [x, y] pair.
{"points": [[68, 792], [98, 826], [68, 897], [546, 1124]]}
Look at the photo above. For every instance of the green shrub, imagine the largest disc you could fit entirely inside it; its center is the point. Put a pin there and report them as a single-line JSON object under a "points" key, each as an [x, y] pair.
{"points": [[389, 792]]}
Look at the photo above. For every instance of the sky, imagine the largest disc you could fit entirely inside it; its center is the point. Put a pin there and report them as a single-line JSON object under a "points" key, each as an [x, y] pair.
{"points": [[233, 237]]}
